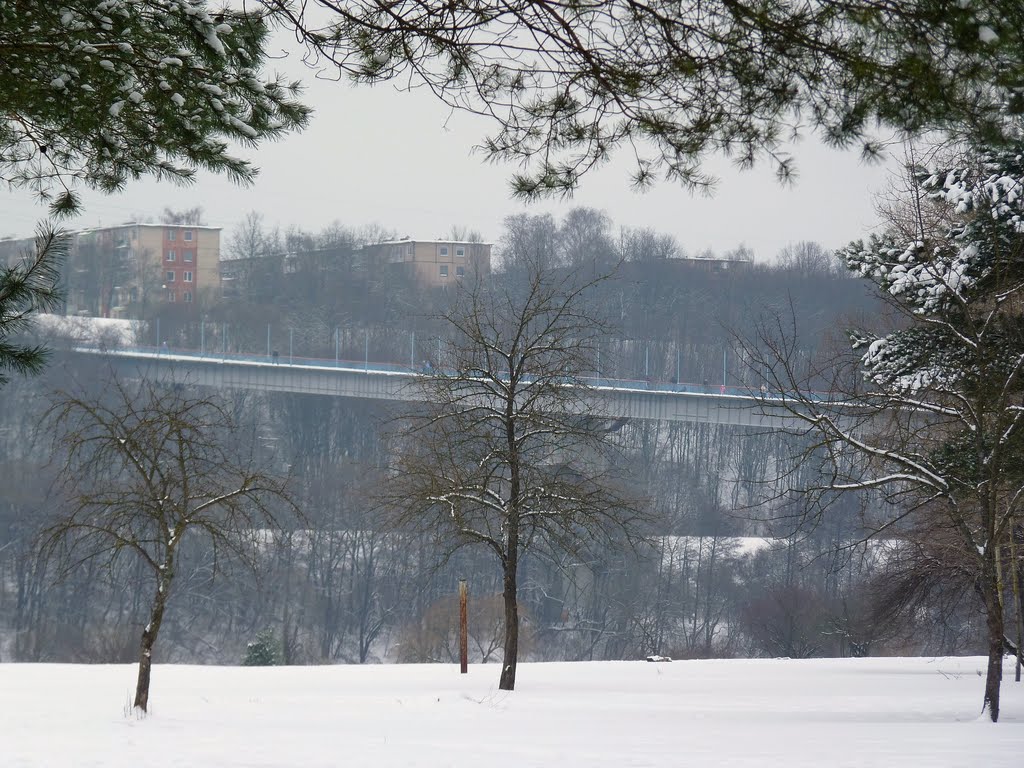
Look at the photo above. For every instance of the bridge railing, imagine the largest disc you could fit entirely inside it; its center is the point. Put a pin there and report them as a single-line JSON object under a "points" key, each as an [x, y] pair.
{"points": [[365, 366]]}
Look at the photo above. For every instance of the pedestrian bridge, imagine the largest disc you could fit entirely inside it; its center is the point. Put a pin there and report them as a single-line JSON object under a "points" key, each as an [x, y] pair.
{"points": [[615, 398]]}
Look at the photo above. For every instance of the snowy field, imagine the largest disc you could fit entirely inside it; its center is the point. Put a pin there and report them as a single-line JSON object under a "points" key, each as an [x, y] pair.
{"points": [[822, 713]]}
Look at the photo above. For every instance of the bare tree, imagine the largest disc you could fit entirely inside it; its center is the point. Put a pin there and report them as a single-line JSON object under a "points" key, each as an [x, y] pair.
{"points": [[462, 234], [584, 239], [529, 242], [249, 239], [645, 244], [808, 258], [185, 216], [509, 453], [141, 471]]}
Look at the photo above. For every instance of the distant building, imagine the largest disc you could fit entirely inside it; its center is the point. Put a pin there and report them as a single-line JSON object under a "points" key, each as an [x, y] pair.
{"points": [[125, 270], [430, 263], [742, 260], [670, 270], [309, 277]]}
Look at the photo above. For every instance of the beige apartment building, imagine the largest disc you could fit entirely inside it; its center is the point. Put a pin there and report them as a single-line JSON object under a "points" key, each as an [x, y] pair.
{"points": [[187, 256], [432, 263], [126, 270]]}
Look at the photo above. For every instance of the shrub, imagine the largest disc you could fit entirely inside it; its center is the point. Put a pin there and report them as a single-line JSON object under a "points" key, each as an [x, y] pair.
{"points": [[263, 651]]}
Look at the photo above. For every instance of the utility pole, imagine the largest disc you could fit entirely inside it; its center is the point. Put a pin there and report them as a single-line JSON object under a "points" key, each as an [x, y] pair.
{"points": [[463, 628]]}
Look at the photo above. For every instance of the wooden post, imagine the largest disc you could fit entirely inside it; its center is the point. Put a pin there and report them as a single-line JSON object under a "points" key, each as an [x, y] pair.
{"points": [[463, 629]]}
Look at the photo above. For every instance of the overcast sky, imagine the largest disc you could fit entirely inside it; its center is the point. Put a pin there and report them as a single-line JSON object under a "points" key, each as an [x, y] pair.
{"points": [[398, 159]]}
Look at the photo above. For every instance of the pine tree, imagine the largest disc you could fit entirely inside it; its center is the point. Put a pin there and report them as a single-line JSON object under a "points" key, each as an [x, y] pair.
{"points": [[262, 651], [938, 422], [566, 85], [98, 92], [957, 366], [25, 288]]}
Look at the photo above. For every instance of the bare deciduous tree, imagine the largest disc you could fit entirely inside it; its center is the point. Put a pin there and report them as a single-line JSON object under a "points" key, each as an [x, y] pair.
{"points": [[510, 453], [141, 470], [184, 216], [808, 258]]}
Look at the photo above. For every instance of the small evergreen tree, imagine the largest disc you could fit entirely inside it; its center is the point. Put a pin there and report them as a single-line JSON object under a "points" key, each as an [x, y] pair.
{"points": [[262, 651]]}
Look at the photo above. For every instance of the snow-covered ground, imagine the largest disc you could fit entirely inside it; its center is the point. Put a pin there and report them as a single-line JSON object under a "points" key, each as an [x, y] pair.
{"points": [[90, 330], [824, 713]]}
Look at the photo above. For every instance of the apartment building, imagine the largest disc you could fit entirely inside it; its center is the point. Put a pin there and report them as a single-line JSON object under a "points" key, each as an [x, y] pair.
{"points": [[431, 263], [126, 270]]}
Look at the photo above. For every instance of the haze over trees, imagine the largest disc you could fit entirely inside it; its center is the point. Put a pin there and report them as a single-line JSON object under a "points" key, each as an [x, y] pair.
{"points": [[718, 576], [102, 93]]}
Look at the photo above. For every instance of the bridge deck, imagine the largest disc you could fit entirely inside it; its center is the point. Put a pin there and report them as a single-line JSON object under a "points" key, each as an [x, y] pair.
{"points": [[616, 398]]}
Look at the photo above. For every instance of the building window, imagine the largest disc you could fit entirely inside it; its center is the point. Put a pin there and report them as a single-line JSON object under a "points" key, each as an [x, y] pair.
{"points": [[170, 296], [172, 234], [188, 255], [444, 250], [460, 271], [187, 298], [171, 256], [460, 252], [169, 277], [444, 270], [187, 277], [188, 235]]}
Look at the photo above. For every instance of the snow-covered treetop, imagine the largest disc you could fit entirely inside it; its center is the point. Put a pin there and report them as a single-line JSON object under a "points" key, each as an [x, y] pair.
{"points": [[995, 184], [97, 92], [930, 274], [971, 266]]}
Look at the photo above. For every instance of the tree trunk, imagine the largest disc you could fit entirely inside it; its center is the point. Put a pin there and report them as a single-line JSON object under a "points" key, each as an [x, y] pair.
{"points": [[994, 623], [511, 656], [149, 635], [510, 593], [1018, 600], [510, 563]]}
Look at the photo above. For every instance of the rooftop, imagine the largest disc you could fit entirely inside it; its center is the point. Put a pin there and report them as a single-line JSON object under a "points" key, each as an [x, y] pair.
{"points": [[437, 241]]}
